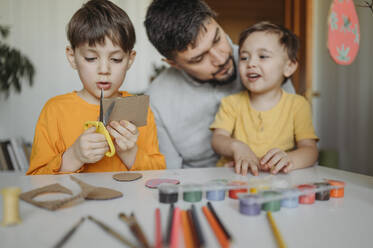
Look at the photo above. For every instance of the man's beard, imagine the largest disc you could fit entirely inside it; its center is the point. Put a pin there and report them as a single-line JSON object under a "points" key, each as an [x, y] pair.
{"points": [[216, 82]]}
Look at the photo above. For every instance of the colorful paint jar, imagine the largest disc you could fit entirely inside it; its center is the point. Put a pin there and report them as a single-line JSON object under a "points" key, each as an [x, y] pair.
{"points": [[270, 204], [322, 195], [249, 205], [215, 191], [290, 198], [234, 193], [192, 192], [168, 193], [338, 192], [309, 193]]}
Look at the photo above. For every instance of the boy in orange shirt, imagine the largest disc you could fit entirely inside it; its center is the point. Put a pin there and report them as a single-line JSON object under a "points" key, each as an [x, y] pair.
{"points": [[265, 128], [101, 39]]}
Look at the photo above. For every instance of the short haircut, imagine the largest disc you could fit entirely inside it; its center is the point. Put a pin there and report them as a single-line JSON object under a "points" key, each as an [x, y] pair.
{"points": [[286, 38], [98, 19], [173, 25]]}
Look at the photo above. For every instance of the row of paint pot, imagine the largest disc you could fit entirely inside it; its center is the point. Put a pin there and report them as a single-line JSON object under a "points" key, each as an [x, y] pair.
{"points": [[250, 203], [273, 200]]}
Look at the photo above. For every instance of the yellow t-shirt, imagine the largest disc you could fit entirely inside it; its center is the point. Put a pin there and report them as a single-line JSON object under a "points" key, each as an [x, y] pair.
{"points": [[280, 127], [61, 123]]}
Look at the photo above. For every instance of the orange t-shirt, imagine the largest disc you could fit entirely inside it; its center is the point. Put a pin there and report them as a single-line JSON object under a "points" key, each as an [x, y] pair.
{"points": [[61, 122]]}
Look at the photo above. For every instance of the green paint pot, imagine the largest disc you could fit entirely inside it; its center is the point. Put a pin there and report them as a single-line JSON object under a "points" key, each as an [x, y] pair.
{"points": [[268, 203]]}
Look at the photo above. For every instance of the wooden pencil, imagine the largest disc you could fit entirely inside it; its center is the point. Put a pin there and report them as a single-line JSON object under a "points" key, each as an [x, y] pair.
{"points": [[197, 227], [169, 225], [220, 235], [212, 210], [276, 231], [188, 237], [192, 228], [158, 229]]}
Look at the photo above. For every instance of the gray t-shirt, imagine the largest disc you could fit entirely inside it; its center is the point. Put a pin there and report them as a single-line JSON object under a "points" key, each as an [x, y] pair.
{"points": [[183, 111]]}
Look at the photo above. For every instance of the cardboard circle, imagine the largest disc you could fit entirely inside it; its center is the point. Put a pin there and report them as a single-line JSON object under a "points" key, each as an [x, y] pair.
{"points": [[154, 183], [126, 177]]}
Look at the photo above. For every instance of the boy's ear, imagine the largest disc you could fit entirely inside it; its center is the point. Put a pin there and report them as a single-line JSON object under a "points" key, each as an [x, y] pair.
{"points": [[131, 58], [70, 56], [290, 68]]}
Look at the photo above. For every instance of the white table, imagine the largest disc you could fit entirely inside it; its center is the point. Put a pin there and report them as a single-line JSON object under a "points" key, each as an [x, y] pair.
{"points": [[338, 223]]}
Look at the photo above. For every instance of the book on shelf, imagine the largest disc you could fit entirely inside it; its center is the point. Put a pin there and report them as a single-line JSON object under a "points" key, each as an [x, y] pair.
{"points": [[4, 150], [14, 154]]}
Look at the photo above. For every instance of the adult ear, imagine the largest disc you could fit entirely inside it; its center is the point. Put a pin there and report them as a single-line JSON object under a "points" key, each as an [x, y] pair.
{"points": [[70, 55], [290, 68], [171, 63]]}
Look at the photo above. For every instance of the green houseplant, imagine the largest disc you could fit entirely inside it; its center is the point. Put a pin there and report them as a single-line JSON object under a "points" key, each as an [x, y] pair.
{"points": [[14, 66]]}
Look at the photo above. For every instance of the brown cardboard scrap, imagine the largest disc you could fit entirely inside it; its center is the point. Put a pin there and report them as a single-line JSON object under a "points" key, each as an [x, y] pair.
{"points": [[131, 108], [96, 193], [53, 204], [88, 192], [126, 176]]}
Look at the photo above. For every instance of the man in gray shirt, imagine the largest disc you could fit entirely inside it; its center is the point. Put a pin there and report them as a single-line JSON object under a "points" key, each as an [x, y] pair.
{"points": [[185, 97]]}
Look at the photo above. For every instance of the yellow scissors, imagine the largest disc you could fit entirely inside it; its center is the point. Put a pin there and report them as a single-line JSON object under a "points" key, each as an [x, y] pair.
{"points": [[101, 125]]}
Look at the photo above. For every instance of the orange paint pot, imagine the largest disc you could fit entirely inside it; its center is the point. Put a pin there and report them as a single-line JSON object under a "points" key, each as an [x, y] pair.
{"points": [[234, 193], [309, 197], [340, 191]]}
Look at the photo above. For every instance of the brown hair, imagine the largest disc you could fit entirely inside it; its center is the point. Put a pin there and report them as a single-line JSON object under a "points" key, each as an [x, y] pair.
{"points": [[287, 38], [97, 19]]}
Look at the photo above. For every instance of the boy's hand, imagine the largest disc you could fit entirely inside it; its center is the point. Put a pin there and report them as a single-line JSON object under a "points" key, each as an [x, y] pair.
{"points": [[244, 159], [125, 135], [90, 147], [276, 160]]}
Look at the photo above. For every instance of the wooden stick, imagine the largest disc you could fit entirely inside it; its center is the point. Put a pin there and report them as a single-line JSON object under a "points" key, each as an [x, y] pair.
{"points": [[67, 236], [112, 232], [135, 228]]}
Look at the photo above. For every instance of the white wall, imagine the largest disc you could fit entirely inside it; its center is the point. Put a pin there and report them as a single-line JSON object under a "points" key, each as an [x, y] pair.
{"points": [[344, 113], [38, 30]]}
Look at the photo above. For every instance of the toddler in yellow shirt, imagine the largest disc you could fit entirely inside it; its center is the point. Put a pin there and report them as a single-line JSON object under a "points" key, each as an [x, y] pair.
{"points": [[265, 128], [101, 38]]}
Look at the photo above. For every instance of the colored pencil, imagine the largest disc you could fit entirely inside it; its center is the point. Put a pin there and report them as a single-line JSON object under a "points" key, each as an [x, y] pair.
{"points": [[212, 210], [158, 229], [67, 236], [175, 229], [276, 231], [197, 227], [169, 225], [188, 236], [220, 236], [192, 228]]}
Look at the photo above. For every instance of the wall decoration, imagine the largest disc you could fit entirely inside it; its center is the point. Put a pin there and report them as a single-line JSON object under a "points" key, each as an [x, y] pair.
{"points": [[343, 32]]}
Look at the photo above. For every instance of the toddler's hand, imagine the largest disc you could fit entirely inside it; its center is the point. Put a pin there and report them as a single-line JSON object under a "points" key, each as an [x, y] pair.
{"points": [[244, 159], [90, 147], [276, 160], [125, 135]]}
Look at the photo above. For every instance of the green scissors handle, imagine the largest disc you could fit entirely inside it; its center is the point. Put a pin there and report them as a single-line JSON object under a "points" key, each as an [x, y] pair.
{"points": [[100, 128]]}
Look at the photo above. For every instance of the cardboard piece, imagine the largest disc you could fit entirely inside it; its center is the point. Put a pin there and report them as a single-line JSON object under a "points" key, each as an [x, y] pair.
{"points": [[88, 192], [96, 193], [54, 204], [126, 177], [131, 108]]}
